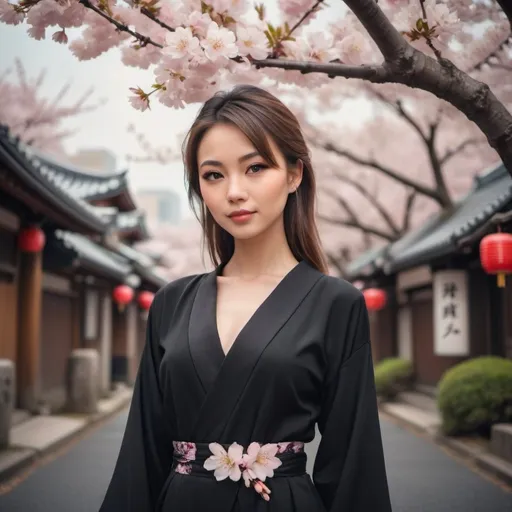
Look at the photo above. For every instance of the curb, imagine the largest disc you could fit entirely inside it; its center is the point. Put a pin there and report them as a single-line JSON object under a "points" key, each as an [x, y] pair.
{"points": [[484, 460], [32, 455]]}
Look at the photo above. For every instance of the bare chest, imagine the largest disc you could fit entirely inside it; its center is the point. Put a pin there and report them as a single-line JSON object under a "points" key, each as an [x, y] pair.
{"points": [[237, 301]]}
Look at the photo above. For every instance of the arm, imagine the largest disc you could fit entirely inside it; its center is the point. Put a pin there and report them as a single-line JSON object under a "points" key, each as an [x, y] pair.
{"points": [[146, 451], [349, 471]]}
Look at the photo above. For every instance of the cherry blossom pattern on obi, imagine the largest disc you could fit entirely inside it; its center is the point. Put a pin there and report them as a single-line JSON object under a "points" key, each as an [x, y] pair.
{"points": [[254, 466], [187, 454]]}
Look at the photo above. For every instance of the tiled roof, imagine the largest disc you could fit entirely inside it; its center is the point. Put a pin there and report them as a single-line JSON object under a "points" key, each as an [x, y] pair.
{"points": [[439, 236], [76, 182], [71, 210], [95, 256], [144, 265], [366, 263]]}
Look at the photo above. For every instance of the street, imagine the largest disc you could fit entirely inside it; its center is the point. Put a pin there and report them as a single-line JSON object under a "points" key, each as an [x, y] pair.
{"points": [[422, 476]]}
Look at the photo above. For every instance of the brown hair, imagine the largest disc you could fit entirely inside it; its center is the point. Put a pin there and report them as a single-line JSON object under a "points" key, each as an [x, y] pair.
{"points": [[258, 114]]}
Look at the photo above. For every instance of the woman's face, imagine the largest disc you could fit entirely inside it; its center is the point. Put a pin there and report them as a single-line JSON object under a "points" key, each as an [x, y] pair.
{"points": [[235, 179]]}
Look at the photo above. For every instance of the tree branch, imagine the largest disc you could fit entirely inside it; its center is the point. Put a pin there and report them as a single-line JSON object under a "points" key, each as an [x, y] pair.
{"points": [[441, 188], [146, 12], [353, 221], [402, 64], [406, 224], [457, 149], [144, 40], [373, 73], [422, 189], [372, 199], [357, 225], [389, 41], [306, 15]]}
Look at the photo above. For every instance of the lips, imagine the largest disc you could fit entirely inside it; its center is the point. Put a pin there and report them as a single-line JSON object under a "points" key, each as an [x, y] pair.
{"points": [[240, 213]]}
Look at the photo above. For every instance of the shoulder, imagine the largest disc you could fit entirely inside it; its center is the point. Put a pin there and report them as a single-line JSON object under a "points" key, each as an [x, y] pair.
{"points": [[173, 291], [347, 322], [340, 292]]}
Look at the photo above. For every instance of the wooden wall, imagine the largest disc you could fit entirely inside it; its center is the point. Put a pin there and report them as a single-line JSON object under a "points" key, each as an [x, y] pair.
{"points": [[8, 295]]}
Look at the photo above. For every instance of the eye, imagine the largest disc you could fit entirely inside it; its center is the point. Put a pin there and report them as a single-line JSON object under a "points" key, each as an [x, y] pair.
{"points": [[257, 168], [212, 175]]}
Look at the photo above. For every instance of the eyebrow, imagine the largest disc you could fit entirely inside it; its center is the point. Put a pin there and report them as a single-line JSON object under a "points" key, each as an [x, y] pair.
{"points": [[241, 159]]}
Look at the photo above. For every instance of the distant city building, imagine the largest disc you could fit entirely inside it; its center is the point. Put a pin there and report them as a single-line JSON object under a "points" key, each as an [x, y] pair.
{"points": [[161, 206], [94, 160]]}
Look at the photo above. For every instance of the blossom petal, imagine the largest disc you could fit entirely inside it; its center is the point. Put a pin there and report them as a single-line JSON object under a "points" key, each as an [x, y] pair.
{"points": [[221, 473], [235, 452], [211, 463], [235, 473], [217, 449]]}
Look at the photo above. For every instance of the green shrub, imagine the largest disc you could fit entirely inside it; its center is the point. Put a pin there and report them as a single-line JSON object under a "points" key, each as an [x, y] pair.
{"points": [[392, 375], [476, 394]]}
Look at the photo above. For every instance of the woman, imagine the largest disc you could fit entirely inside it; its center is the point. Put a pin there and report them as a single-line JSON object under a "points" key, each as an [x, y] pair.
{"points": [[242, 362]]}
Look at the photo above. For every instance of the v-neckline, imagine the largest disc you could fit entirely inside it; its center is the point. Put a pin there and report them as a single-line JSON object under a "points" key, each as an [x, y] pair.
{"points": [[218, 273], [224, 378]]}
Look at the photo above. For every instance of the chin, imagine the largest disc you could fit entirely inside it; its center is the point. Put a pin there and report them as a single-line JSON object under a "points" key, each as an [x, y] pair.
{"points": [[245, 232]]}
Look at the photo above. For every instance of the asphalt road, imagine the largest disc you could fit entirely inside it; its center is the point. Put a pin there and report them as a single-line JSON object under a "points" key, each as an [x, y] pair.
{"points": [[422, 477]]}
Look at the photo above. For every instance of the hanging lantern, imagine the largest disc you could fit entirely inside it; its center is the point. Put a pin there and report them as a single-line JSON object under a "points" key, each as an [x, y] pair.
{"points": [[122, 295], [496, 255], [31, 239], [375, 298], [145, 299]]}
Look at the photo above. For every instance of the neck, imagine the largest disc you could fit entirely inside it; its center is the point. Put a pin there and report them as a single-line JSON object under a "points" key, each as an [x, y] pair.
{"points": [[265, 254]]}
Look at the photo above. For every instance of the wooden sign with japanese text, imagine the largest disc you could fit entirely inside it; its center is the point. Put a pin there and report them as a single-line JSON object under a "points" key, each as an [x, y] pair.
{"points": [[451, 316]]}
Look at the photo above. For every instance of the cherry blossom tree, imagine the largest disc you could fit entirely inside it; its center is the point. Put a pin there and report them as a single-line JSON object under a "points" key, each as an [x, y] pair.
{"points": [[196, 52], [385, 177], [37, 119]]}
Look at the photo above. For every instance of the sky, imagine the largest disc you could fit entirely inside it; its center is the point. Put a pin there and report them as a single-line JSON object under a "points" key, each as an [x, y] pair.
{"points": [[107, 127]]}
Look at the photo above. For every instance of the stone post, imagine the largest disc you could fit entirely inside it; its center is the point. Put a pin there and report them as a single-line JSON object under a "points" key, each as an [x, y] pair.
{"points": [[7, 399], [82, 381]]}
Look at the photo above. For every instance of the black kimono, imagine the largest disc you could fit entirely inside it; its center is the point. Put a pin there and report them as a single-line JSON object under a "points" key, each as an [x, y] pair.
{"points": [[303, 358]]}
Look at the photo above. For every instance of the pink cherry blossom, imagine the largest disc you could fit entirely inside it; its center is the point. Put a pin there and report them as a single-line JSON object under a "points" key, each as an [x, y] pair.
{"points": [[260, 461], [9, 15], [253, 42], [295, 8], [225, 464], [355, 49], [199, 23], [139, 100], [37, 117], [60, 37], [181, 43], [319, 47], [220, 43]]}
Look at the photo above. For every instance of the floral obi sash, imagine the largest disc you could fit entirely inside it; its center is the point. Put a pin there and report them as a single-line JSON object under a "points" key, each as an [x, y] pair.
{"points": [[254, 465]]}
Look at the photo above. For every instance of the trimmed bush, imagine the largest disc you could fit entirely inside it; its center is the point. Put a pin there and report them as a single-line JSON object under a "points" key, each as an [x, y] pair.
{"points": [[476, 394], [392, 375]]}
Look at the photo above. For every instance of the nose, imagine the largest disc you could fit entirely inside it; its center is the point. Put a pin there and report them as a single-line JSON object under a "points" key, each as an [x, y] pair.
{"points": [[236, 191]]}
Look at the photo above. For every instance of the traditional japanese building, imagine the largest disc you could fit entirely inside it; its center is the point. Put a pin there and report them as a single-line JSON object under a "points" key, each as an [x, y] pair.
{"points": [[442, 307], [62, 233]]}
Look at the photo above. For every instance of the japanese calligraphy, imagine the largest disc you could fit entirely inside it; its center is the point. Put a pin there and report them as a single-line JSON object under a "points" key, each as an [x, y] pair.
{"points": [[450, 297]]}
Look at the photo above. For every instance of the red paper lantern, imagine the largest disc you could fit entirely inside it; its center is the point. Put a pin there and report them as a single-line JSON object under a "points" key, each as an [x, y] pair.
{"points": [[122, 295], [145, 299], [31, 239], [496, 255], [375, 298]]}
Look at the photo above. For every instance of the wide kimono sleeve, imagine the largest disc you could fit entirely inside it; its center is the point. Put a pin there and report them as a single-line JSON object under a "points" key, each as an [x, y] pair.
{"points": [[146, 451], [349, 471]]}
